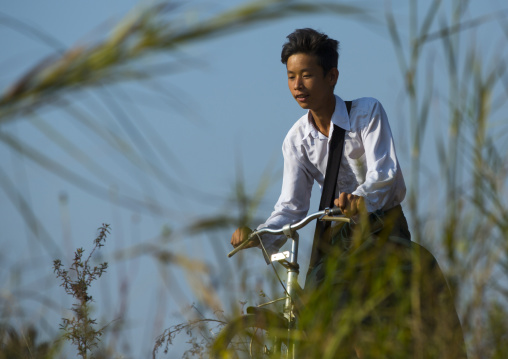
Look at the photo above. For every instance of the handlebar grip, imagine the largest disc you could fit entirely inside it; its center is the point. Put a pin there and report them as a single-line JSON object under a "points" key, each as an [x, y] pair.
{"points": [[335, 211]]}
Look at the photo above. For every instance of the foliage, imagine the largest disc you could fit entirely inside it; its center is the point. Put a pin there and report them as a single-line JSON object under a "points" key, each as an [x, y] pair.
{"points": [[140, 34], [24, 344], [459, 213], [80, 330]]}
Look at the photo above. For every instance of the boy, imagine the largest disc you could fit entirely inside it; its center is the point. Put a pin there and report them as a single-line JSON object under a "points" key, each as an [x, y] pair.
{"points": [[369, 174]]}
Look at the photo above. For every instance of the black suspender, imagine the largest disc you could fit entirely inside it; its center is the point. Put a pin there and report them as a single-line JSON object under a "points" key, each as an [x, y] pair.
{"points": [[329, 186]]}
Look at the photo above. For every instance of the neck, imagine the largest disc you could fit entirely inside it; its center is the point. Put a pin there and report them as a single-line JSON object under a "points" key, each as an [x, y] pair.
{"points": [[322, 117]]}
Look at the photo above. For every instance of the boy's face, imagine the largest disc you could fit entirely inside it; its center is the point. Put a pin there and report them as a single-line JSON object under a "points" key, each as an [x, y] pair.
{"points": [[309, 86]]}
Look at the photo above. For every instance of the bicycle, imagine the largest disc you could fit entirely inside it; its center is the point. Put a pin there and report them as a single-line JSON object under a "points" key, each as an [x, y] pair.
{"points": [[263, 332]]}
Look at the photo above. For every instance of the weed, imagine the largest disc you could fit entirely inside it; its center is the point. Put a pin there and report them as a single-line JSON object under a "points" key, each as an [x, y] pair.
{"points": [[80, 330]]}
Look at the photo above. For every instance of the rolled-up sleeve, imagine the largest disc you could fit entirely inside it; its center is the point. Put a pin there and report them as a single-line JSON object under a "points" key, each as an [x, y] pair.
{"points": [[382, 165]]}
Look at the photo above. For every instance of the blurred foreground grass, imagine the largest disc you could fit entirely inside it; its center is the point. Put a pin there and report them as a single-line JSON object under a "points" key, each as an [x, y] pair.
{"points": [[470, 186]]}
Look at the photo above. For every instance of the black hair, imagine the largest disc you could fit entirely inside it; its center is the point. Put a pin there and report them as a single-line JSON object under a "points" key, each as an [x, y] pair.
{"points": [[312, 42]]}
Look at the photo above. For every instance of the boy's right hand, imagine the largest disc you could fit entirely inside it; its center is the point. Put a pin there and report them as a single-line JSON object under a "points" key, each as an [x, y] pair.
{"points": [[350, 204], [240, 235]]}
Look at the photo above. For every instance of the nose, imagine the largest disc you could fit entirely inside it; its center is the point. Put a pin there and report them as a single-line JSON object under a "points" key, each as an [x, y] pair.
{"points": [[298, 83]]}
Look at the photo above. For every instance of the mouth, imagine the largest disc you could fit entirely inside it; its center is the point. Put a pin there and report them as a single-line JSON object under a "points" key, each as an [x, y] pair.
{"points": [[301, 97]]}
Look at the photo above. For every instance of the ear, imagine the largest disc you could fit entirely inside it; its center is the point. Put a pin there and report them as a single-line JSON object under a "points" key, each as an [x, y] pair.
{"points": [[332, 76]]}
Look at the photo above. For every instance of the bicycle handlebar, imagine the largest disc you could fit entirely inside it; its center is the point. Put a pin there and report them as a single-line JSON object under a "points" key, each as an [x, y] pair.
{"points": [[327, 214]]}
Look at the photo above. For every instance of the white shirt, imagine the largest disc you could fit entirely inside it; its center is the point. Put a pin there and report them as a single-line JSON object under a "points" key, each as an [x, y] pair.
{"points": [[369, 166]]}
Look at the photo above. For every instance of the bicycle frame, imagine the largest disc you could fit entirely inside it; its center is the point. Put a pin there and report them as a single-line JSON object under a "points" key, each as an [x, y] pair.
{"points": [[289, 259]]}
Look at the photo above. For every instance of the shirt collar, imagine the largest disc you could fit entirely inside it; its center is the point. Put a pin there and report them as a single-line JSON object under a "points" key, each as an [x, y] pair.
{"points": [[339, 117]]}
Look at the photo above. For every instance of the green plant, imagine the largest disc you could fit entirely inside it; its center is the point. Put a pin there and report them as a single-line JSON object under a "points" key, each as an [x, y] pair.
{"points": [[24, 343], [80, 330]]}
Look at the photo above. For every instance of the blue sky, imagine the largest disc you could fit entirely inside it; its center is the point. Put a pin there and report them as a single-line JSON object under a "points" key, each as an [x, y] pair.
{"points": [[235, 109]]}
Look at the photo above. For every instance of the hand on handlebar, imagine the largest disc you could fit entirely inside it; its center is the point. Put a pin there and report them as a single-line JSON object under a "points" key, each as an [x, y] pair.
{"points": [[240, 235], [350, 204]]}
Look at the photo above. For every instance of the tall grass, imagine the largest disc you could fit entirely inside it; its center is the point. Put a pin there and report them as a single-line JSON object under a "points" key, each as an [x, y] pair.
{"points": [[466, 223], [459, 211], [143, 46]]}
